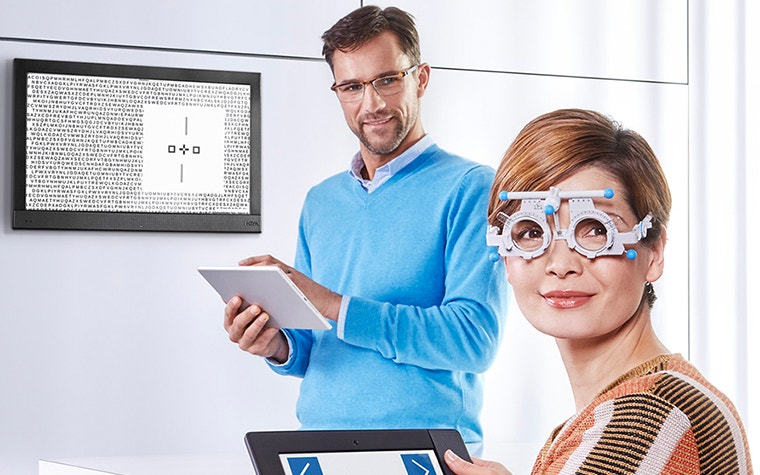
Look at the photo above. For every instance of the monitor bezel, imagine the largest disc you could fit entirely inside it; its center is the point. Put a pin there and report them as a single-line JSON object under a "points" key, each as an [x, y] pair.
{"points": [[265, 447], [23, 218]]}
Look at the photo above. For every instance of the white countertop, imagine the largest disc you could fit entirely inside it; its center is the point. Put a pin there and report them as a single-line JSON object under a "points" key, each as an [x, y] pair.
{"points": [[213, 464]]}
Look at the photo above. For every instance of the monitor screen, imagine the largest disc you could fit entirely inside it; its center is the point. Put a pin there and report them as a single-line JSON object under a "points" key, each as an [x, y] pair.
{"points": [[135, 148], [348, 452]]}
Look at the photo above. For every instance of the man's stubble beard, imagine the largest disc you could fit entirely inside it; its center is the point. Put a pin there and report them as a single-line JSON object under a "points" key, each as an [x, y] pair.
{"points": [[400, 132]]}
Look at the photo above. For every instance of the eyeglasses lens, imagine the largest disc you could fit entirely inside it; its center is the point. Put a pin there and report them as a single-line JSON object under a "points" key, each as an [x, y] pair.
{"points": [[527, 235], [384, 86], [591, 234]]}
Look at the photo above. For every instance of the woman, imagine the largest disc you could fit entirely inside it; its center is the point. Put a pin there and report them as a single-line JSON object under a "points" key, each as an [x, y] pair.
{"points": [[640, 408]]}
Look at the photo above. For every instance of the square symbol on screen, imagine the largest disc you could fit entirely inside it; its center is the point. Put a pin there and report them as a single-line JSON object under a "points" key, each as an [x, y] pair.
{"points": [[183, 149]]}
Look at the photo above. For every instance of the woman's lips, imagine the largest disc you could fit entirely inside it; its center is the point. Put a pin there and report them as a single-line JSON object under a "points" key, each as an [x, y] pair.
{"points": [[567, 298]]}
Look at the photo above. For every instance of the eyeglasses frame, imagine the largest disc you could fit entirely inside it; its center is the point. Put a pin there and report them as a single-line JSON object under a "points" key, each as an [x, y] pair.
{"points": [[400, 74]]}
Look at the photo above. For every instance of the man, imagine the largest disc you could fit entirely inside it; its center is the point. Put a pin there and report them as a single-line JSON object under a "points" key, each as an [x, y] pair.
{"points": [[393, 252]]}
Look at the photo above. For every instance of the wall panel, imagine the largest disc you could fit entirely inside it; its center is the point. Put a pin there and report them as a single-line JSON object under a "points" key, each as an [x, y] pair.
{"points": [[478, 114], [642, 40], [286, 27], [111, 344]]}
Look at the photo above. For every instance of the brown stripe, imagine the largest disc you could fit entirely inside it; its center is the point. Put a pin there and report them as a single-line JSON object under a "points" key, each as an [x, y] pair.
{"points": [[628, 437]]}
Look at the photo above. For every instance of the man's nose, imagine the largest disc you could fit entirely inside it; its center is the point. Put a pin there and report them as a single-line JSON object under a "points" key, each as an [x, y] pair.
{"points": [[372, 100]]}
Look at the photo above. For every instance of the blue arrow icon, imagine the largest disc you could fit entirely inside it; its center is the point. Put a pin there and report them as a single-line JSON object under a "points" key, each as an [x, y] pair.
{"points": [[417, 464], [304, 466]]}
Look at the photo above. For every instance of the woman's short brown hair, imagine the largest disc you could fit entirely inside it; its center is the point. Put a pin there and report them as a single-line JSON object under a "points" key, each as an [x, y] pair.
{"points": [[556, 145]]}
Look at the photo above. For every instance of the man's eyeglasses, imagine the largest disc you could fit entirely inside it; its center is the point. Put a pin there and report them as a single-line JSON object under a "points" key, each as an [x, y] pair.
{"points": [[385, 85]]}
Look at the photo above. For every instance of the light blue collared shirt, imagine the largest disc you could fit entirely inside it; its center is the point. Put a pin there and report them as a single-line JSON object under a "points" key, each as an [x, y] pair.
{"points": [[385, 172]]}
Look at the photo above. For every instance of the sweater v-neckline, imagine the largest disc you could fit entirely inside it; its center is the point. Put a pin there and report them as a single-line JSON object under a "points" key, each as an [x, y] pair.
{"points": [[408, 170]]}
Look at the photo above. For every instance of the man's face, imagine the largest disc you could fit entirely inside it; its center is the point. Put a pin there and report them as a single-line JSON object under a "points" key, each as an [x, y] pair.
{"points": [[385, 125]]}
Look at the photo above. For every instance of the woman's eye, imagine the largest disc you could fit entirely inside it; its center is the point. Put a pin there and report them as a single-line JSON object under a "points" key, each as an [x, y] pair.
{"points": [[533, 233], [528, 236], [591, 234], [596, 229]]}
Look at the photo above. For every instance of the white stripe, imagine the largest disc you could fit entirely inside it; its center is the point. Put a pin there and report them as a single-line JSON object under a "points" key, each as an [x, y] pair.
{"points": [[602, 416], [671, 431]]}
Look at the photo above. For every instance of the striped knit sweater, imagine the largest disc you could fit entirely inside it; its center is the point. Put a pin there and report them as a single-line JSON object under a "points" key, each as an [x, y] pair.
{"points": [[662, 417]]}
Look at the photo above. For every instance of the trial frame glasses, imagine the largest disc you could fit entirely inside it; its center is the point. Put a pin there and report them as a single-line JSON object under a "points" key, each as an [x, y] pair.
{"points": [[591, 231], [385, 85]]}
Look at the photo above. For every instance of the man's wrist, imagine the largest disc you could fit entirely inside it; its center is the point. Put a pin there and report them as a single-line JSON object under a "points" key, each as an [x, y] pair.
{"points": [[282, 353]]}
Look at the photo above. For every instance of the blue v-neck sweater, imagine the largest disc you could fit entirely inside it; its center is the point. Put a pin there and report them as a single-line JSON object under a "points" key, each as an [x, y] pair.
{"points": [[426, 304]]}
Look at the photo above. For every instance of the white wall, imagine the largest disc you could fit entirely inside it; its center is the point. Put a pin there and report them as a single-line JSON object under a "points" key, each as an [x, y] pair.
{"points": [[751, 58], [111, 344], [724, 100]]}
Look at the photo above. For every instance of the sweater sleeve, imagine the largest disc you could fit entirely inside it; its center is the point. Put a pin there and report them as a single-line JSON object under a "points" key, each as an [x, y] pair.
{"points": [[636, 433], [463, 332], [300, 341]]}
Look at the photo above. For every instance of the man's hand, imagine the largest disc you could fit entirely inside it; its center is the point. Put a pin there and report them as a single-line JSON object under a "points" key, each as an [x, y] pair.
{"points": [[247, 329], [325, 300]]}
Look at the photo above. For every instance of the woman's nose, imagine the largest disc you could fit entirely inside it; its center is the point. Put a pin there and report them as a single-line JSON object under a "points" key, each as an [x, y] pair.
{"points": [[561, 260]]}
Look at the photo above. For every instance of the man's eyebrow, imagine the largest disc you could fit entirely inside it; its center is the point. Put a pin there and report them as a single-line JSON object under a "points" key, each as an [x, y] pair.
{"points": [[392, 72]]}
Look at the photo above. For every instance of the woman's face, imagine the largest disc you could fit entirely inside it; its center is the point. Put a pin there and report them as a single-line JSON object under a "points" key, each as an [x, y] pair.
{"points": [[569, 296]]}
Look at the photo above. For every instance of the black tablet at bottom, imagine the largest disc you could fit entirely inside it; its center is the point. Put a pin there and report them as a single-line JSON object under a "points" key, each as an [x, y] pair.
{"points": [[351, 452]]}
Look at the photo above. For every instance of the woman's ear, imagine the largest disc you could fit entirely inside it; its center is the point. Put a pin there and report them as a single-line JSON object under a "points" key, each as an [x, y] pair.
{"points": [[505, 261], [657, 257]]}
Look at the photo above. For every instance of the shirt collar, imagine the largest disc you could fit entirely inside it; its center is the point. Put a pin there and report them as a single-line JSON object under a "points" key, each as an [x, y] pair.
{"points": [[385, 172]]}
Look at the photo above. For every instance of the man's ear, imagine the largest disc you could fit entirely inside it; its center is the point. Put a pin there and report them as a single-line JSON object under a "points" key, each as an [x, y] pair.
{"points": [[423, 73]]}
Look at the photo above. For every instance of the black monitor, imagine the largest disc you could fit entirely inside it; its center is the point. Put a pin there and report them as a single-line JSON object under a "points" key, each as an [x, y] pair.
{"points": [[135, 148]]}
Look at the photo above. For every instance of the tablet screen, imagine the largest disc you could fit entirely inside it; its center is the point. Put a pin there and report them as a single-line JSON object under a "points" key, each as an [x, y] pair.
{"points": [[351, 452], [392, 462]]}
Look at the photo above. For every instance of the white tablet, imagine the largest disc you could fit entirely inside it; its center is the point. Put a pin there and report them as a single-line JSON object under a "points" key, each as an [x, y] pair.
{"points": [[269, 288]]}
